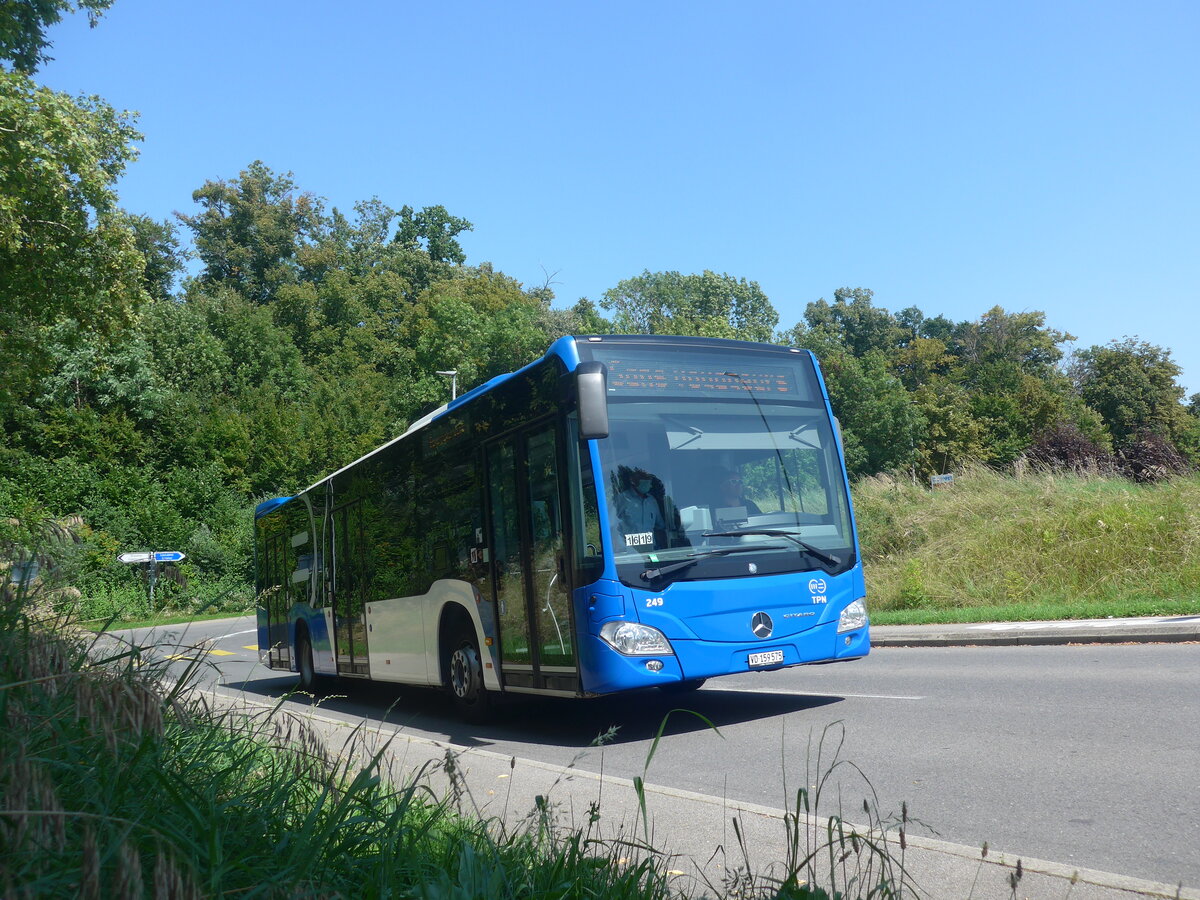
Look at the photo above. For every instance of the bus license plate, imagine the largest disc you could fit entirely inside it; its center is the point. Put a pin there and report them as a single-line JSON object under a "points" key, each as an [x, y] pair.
{"points": [[767, 658]]}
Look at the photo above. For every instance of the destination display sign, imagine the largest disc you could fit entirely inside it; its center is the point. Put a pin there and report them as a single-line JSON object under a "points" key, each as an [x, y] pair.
{"points": [[638, 376]]}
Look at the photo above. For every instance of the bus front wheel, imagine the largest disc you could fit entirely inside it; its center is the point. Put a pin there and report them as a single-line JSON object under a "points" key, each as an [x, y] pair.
{"points": [[465, 670]]}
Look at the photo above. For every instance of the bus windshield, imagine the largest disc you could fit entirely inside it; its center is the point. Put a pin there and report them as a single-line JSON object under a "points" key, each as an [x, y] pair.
{"points": [[722, 468]]}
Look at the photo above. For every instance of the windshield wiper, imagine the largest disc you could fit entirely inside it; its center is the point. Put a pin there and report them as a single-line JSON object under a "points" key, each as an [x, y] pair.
{"points": [[651, 574], [774, 532]]}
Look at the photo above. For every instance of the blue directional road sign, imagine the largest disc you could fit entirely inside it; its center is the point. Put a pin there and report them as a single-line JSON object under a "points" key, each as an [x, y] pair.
{"points": [[168, 556]]}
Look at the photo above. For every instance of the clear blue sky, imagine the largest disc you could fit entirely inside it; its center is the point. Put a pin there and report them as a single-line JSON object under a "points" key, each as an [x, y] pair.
{"points": [[949, 156]]}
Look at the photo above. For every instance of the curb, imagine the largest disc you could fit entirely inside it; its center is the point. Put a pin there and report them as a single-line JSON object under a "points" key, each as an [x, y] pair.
{"points": [[1181, 629]]}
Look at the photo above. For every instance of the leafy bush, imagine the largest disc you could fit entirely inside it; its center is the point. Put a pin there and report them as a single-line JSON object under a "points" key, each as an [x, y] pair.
{"points": [[121, 508], [1064, 447], [1151, 457]]}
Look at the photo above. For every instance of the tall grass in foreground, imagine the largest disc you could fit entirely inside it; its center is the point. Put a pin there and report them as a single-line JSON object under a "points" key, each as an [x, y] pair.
{"points": [[998, 543], [117, 782]]}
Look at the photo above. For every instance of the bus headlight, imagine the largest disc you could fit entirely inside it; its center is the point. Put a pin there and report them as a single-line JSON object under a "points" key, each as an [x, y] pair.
{"points": [[635, 639], [853, 616]]}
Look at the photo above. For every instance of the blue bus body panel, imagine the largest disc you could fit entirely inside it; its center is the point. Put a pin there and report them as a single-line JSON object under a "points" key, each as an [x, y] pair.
{"points": [[318, 634], [268, 506], [564, 349], [709, 626], [708, 622]]}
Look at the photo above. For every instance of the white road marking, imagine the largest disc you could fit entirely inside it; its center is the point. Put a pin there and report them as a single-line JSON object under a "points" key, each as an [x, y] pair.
{"points": [[234, 634]]}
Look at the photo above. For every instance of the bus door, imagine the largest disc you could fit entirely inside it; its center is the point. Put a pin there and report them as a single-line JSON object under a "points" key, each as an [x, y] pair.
{"points": [[277, 582], [529, 580], [349, 590]]}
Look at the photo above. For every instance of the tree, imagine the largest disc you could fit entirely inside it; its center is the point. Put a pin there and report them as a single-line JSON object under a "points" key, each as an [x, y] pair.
{"points": [[100, 374], [1008, 363], [922, 360], [479, 322], [582, 318], [707, 305], [66, 251], [250, 230], [434, 231], [952, 435], [855, 322], [1010, 411], [1020, 340], [881, 428], [23, 25], [164, 258], [1132, 385]]}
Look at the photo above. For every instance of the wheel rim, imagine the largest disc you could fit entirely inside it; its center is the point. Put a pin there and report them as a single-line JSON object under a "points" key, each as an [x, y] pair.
{"points": [[464, 668]]}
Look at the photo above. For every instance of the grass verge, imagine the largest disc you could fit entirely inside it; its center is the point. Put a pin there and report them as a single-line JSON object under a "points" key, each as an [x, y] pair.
{"points": [[995, 547]]}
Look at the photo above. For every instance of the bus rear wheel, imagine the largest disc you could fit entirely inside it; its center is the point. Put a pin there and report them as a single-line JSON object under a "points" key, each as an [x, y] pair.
{"points": [[465, 676], [304, 663]]}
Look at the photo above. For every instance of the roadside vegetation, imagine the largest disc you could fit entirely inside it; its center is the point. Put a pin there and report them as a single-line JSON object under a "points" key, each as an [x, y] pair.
{"points": [[237, 806], [1045, 545]]}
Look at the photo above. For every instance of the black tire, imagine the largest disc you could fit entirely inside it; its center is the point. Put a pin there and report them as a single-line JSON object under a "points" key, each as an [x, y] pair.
{"points": [[464, 677], [304, 663], [682, 687]]}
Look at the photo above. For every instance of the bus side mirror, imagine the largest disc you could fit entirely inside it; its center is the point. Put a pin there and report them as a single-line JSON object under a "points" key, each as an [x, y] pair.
{"points": [[591, 388]]}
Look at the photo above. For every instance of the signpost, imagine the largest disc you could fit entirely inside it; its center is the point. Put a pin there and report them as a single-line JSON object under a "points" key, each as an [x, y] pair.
{"points": [[940, 480], [150, 559]]}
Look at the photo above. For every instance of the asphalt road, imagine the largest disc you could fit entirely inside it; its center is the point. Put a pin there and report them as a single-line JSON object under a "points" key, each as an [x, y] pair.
{"points": [[1085, 755]]}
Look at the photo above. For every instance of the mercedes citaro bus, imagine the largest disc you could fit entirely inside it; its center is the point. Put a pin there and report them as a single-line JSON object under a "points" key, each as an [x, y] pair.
{"points": [[625, 512]]}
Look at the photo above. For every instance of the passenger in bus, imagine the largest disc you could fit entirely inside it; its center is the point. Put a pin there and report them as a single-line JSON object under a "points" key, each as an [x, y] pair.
{"points": [[646, 515], [637, 505], [730, 501]]}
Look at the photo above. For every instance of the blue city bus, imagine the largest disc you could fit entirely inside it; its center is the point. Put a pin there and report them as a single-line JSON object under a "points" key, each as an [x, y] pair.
{"points": [[626, 512]]}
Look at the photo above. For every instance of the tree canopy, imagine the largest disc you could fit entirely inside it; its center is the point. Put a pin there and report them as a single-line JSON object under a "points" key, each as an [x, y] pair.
{"points": [[23, 25]]}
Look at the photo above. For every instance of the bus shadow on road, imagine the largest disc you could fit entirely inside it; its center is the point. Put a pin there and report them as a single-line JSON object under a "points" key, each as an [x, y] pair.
{"points": [[635, 716]]}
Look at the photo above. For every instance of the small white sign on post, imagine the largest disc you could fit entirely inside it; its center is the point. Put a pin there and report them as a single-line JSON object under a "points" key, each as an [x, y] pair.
{"points": [[939, 480], [151, 559]]}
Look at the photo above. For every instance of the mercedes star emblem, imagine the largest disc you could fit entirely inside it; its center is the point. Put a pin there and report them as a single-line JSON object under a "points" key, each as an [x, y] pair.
{"points": [[762, 625]]}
